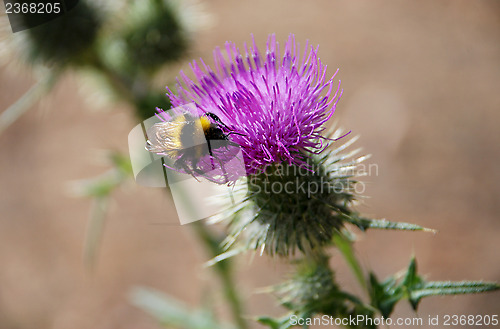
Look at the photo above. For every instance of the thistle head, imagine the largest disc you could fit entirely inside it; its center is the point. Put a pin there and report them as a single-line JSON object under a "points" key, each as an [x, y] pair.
{"points": [[277, 102], [296, 191]]}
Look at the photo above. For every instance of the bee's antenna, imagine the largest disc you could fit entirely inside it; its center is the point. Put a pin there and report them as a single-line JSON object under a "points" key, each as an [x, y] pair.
{"points": [[234, 133]]}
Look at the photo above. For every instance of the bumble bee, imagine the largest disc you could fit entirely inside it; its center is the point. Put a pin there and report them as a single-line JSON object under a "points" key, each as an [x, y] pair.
{"points": [[193, 142]]}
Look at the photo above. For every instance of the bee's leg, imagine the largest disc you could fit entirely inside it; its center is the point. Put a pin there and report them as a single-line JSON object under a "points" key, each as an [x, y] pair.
{"points": [[233, 144], [211, 154], [230, 143], [181, 163], [226, 180], [195, 169], [225, 174]]}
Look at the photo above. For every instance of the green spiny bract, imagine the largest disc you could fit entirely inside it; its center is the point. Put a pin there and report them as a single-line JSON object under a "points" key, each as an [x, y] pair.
{"points": [[289, 207]]}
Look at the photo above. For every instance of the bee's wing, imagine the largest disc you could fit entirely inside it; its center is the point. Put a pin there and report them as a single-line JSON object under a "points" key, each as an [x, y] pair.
{"points": [[164, 138]]}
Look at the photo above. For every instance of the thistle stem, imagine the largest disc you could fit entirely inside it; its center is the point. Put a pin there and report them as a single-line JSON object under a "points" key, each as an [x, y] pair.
{"points": [[345, 247], [224, 271], [23, 104], [223, 268]]}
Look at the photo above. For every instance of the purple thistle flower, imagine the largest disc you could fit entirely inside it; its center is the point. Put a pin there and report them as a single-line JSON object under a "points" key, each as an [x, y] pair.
{"points": [[278, 103]]}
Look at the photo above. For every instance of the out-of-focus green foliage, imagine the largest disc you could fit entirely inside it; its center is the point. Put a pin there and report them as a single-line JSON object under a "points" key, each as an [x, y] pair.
{"points": [[154, 34], [66, 40], [171, 312]]}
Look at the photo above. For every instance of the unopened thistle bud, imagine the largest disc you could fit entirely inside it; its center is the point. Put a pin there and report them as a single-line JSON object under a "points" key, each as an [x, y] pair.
{"points": [[65, 39], [154, 33], [312, 290]]}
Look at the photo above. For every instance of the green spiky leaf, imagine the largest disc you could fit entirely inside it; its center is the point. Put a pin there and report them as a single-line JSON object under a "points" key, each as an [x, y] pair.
{"points": [[440, 288], [411, 279], [366, 223], [171, 312], [274, 323], [384, 295]]}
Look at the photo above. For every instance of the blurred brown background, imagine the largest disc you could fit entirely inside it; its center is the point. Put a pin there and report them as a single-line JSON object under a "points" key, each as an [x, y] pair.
{"points": [[421, 86]]}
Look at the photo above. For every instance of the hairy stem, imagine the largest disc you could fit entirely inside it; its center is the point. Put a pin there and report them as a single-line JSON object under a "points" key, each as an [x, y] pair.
{"points": [[224, 271]]}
